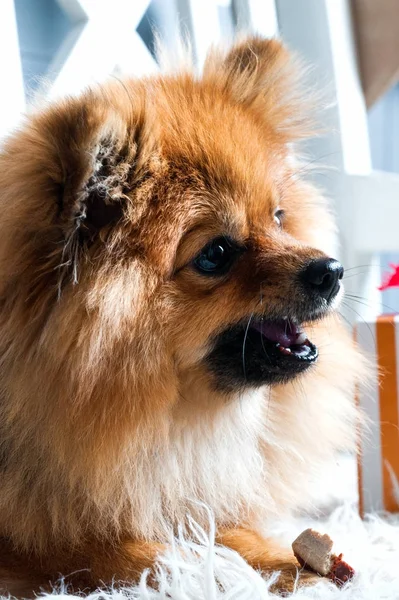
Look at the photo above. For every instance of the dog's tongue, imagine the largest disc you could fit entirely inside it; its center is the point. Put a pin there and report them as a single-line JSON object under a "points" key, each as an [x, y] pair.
{"points": [[283, 332]]}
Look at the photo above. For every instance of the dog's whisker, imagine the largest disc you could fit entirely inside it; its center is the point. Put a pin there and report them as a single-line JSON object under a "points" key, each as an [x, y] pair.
{"points": [[362, 300], [360, 267], [243, 345], [359, 316], [354, 275], [263, 346]]}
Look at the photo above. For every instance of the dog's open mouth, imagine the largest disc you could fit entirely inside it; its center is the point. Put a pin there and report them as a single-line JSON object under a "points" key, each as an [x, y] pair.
{"points": [[287, 337], [260, 351]]}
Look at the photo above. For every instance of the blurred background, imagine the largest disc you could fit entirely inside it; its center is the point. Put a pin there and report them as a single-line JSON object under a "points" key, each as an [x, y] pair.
{"points": [[55, 47]]}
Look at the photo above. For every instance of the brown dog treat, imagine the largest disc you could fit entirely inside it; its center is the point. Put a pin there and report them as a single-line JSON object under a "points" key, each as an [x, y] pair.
{"points": [[314, 551]]}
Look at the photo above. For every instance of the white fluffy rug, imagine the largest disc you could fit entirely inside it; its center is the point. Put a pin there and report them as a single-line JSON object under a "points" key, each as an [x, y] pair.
{"points": [[371, 547], [210, 572]]}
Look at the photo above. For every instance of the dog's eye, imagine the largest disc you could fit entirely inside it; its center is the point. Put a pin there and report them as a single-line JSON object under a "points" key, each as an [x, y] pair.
{"points": [[216, 257], [279, 217]]}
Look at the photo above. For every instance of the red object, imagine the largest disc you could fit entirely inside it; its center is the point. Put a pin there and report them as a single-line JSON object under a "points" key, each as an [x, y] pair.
{"points": [[390, 279], [340, 572]]}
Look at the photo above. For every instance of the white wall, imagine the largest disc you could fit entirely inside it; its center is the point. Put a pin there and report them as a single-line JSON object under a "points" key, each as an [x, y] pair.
{"points": [[41, 26], [384, 138]]}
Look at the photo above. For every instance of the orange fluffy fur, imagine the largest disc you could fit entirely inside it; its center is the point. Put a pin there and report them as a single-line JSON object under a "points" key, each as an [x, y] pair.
{"points": [[109, 424]]}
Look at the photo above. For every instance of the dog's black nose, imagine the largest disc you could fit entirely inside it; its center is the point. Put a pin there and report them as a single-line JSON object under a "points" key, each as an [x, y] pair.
{"points": [[322, 276]]}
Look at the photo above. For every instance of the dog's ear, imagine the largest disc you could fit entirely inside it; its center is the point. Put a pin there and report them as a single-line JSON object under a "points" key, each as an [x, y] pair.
{"points": [[261, 74], [67, 178], [95, 154]]}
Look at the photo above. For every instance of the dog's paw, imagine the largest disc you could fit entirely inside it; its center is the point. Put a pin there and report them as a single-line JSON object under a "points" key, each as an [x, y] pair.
{"points": [[293, 578]]}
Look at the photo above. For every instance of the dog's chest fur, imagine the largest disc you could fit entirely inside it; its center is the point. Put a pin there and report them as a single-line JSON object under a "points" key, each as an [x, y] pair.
{"points": [[249, 462]]}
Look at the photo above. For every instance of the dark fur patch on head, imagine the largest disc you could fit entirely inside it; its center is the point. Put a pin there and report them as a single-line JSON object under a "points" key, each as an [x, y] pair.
{"points": [[103, 195], [101, 201]]}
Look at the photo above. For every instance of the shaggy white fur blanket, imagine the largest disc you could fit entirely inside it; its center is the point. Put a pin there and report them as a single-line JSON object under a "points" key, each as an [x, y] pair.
{"points": [[210, 572]]}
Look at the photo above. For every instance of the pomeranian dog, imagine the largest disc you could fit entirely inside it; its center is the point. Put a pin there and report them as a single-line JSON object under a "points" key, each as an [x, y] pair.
{"points": [[168, 326]]}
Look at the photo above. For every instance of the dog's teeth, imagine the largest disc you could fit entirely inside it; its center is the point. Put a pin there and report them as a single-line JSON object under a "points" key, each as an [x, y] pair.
{"points": [[284, 350], [301, 339]]}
